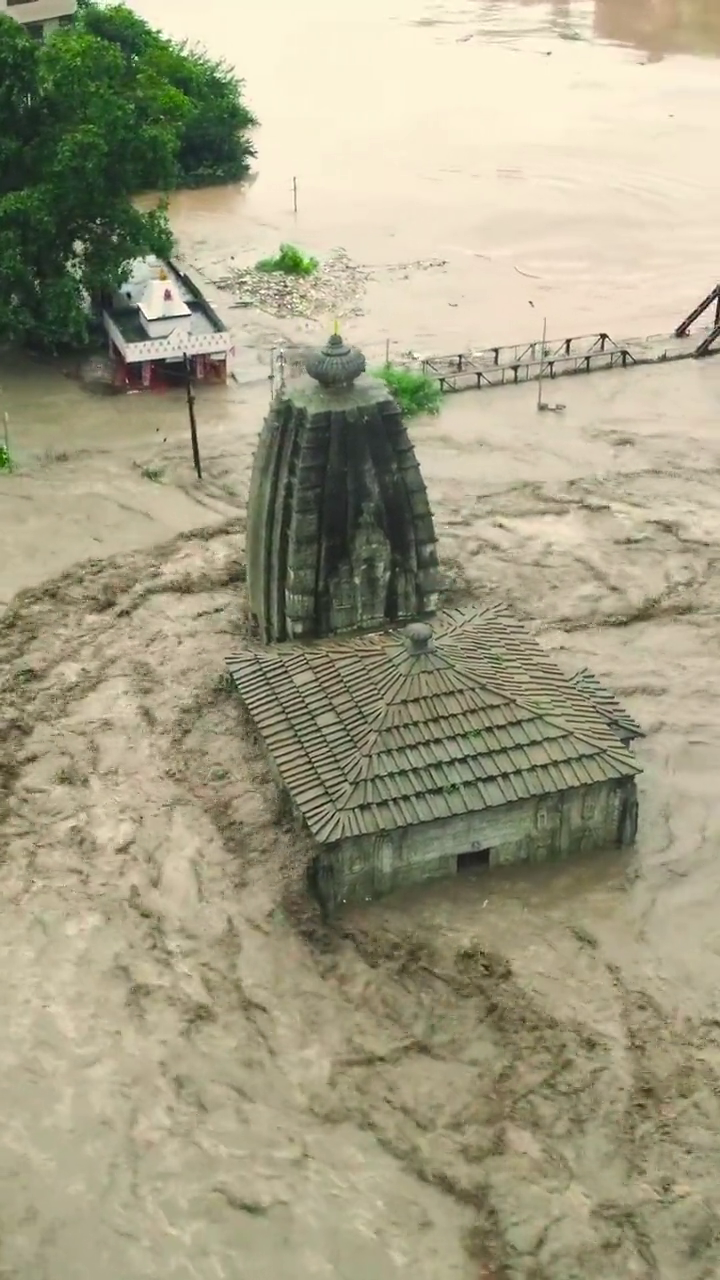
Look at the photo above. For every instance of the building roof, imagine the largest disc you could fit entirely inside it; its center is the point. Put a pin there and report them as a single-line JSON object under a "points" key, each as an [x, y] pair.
{"points": [[607, 704], [31, 11], [161, 300], [382, 731]]}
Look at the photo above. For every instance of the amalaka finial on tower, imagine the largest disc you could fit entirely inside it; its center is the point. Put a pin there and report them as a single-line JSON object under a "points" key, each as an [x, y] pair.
{"points": [[336, 365]]}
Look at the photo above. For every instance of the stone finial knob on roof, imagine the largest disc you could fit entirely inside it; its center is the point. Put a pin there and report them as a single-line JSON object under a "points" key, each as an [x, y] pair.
{"points": [[336, 364], [418, 637]]}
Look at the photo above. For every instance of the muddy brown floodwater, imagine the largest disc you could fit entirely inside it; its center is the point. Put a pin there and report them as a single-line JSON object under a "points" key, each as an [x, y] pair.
{"points": [[516, 1077]]}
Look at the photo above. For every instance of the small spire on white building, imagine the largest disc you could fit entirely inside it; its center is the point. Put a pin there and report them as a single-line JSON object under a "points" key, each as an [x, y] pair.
{"points": [[162, 308]]}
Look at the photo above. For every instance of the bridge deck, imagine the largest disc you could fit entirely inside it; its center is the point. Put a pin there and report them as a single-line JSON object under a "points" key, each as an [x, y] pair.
{"points": [[528, 362]]}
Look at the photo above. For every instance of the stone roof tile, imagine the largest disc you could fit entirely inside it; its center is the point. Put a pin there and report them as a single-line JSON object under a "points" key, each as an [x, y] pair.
{"points": [[610, 708], [369, 733]]}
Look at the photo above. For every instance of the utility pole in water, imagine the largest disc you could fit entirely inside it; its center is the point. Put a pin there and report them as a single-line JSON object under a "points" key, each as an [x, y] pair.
{"points": [[191, 415], [540, 403]]}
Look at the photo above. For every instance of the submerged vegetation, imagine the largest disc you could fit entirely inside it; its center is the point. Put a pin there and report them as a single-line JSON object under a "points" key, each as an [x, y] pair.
{"points": [[90, 117], [415, 392], [290, 261]]}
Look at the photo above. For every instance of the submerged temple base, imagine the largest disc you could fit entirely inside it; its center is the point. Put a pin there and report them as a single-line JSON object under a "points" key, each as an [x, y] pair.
{"points": [[414, 755], [582, 820], [340, 535]]}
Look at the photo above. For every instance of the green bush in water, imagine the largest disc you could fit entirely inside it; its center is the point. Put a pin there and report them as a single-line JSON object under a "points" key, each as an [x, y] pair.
{"points": [[291, 261], [415, 392]]}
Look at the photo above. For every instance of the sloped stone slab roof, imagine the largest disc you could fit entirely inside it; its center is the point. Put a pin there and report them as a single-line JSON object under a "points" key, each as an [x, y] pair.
{"points": [[369, 736], [606, 703]]}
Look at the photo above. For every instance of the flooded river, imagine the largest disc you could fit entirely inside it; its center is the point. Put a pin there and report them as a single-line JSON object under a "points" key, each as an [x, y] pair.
{"points": [[516, 1077]]}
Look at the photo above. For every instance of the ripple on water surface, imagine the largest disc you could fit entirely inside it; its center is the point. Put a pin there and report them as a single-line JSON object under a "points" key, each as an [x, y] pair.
{"points": [[655, 30]]}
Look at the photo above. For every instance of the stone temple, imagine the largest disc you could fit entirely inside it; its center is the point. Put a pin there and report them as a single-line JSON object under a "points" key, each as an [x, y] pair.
{"points": [[340, 535], [413, 751]]}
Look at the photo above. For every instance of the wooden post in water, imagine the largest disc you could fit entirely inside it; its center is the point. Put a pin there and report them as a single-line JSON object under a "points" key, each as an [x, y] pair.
{"points": [[191, 415], [294, 195]]}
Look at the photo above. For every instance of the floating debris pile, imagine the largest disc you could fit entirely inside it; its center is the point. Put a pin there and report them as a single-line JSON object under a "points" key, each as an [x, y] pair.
{"points": [[336, 288]]}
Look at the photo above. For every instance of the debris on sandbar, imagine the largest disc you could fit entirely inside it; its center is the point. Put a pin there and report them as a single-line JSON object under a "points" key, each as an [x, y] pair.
{"points": [[336, 288]]}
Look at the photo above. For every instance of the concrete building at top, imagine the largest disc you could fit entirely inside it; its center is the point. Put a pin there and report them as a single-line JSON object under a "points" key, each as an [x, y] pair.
{"points": [[40, 17], [410, 744]]}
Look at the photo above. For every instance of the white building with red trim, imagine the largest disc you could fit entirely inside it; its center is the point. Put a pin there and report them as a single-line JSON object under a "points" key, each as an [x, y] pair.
{"points": [[158, 322]]}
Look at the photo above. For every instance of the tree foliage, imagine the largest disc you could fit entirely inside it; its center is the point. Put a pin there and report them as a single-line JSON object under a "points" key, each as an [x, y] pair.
{"points": [[415, 392], [89, 118], [213, 141], [290, 261]]}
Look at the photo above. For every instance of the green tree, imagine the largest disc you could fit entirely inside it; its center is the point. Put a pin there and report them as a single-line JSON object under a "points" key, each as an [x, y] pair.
{"points": [[214, 144], [78, 128], [88, 119]]}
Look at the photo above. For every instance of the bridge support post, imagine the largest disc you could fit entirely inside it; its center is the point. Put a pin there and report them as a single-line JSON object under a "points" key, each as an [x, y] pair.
{"points": [[713, 296]]}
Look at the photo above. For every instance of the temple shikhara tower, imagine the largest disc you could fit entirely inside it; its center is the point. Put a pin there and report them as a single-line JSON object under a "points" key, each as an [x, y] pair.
{"points": [[410, 745], [340, 535]]}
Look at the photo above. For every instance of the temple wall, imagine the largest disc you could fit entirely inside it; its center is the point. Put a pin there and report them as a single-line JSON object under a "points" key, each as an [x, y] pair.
{"points": [[582, 820]]}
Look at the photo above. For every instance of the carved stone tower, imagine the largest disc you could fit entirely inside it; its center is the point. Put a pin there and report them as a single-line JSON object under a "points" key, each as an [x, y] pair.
{"points": [[340, 535]]}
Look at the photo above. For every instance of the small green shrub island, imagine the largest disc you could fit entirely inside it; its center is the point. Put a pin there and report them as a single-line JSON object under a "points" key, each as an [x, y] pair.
{"points": [[290, 261], [415, 392]]}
